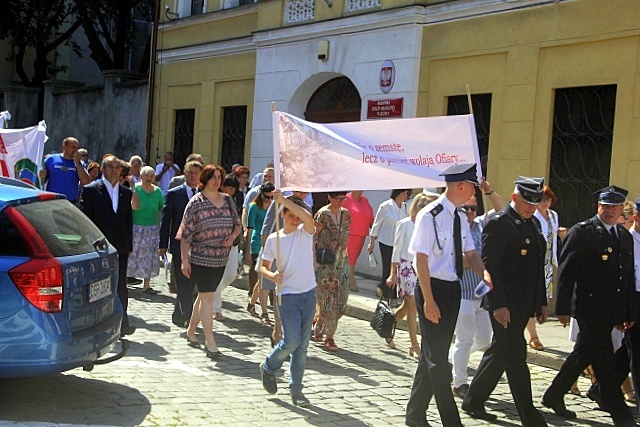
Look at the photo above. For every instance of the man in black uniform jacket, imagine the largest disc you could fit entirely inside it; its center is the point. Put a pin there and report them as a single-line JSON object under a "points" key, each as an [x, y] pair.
{"points": [[513, 251], [596, 284]]}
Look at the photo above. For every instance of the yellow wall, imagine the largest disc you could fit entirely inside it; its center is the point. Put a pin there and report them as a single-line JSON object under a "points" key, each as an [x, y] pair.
{"points": [[521, 57], [206, 85]]}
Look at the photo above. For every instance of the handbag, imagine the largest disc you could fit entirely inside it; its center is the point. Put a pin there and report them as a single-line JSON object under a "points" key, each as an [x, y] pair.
{"points": [[384, 320], [327, 256]]}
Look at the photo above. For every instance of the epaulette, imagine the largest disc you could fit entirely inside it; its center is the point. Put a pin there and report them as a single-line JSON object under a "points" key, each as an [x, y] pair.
{"points": [[436, 210]]}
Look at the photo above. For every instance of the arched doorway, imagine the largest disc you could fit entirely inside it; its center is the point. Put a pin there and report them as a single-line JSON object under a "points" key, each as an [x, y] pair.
{"points": [[335, 101]]}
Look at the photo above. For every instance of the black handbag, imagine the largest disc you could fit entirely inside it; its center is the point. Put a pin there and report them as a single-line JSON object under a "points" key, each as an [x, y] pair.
{"points": [[325, 256], [384, 320]]}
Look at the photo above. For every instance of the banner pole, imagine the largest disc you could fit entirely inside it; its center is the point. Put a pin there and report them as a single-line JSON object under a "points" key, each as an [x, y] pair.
{"points": [[277, 208], [469, 100]]}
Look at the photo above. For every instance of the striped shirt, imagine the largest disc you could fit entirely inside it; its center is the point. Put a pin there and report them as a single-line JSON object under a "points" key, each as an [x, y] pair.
{"points": [[469, 277]]}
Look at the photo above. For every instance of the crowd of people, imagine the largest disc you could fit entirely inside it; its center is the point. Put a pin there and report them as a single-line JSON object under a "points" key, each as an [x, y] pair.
{"points": [[484, 279]]}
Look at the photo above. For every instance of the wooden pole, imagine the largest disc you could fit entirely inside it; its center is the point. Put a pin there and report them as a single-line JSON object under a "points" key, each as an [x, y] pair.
{"points": [[278, 285], [469, 100]]}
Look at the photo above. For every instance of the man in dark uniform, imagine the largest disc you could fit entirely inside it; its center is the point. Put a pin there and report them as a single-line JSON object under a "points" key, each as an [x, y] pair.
{"points": [[439, 239], [513, 251], [596, 285]]}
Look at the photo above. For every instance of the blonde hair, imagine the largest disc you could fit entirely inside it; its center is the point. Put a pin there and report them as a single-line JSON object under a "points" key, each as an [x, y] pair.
{"points": [[628, 210], [419, 202], [147, 170]]}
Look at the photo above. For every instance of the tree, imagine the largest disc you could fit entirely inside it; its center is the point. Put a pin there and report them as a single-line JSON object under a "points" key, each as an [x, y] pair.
{"points": [[109, 26], [41, 25]]}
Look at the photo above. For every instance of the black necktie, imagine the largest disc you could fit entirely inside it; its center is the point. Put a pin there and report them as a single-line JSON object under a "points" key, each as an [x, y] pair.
{"points": [[612, 230], [194, 192], [457, 241]]}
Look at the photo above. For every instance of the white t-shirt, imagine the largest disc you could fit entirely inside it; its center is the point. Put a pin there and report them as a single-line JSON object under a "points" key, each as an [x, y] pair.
{"points": [[166, 178], [296, 257]]}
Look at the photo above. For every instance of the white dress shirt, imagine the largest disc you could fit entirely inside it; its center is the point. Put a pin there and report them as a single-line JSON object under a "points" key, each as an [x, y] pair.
{"points": [[404, 231], [114, 193], [384, 225], [440, 249]]}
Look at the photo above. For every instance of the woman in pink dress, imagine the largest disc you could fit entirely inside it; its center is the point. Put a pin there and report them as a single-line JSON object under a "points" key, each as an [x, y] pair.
{"points": [[361, 221]]}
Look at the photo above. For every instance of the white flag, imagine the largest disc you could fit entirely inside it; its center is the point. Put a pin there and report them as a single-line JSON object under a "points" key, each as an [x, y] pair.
{"points": [[370, 155], [21, 152]]}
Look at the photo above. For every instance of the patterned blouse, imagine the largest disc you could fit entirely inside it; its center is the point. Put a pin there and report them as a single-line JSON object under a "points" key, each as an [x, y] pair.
{"points": [[205, 226]]}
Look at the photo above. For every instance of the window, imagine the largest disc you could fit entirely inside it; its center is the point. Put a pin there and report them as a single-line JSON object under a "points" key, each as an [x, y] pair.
{"points": [[183, 135], [581, 147], [196, 7], [233, 136], [458, 105]]}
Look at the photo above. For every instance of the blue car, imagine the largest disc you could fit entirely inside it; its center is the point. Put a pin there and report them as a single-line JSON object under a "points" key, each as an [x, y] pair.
{"points": [[59, 308]]}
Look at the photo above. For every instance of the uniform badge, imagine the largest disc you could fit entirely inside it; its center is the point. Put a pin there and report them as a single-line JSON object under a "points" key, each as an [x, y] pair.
{"points": [[605, 257], [517, 221], [609, 249], [523, 252], [527, 241]]}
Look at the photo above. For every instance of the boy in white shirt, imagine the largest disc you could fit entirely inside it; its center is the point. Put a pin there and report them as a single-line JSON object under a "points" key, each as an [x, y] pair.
{"points": [[296, 276]]}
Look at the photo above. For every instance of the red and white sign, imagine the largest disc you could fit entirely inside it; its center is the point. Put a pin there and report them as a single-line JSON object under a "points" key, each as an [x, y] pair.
{"points": [[385, 108], [387, 76]]}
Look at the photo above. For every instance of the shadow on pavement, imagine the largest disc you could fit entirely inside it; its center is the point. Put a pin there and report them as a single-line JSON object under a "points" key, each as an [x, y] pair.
{"points": [[315, 415], [67, 399]]}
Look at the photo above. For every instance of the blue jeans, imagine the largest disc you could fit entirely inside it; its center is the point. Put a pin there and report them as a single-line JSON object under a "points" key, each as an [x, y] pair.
{"points": [[296, 315]]}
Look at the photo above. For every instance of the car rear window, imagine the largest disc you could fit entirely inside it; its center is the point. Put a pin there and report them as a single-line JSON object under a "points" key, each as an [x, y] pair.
{"points": [[62, 226], [11, 243]]}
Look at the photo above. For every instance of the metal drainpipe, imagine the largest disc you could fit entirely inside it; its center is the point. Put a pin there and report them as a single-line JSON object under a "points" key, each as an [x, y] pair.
{"points": [[152, 78]]}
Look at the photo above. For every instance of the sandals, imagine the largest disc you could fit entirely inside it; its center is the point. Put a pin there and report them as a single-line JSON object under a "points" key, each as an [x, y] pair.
{"points": [[219, 317], [390, 343], [251, 308], [264, 318], [575, 390], [150, 291], [330, 345], [414, 351], [535, 344]]}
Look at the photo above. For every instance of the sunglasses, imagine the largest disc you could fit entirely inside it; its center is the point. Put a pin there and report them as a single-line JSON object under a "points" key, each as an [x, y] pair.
{"points": [[135, 162], [266, 196], [469, 208]]}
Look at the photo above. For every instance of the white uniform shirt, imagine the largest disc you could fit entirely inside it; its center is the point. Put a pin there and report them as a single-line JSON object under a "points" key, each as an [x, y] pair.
{"points": [[440, 249], [384, 225], [636, 255]]}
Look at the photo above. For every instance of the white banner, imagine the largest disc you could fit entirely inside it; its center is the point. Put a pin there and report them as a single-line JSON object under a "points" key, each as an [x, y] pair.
{"points": [[21, 152], [4, 116], [370, 155]]}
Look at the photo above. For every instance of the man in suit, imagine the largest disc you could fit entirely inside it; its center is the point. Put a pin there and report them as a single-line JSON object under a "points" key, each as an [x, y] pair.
{"points": [[513, 251], [175, 201], [108, 204], [596, 285]]}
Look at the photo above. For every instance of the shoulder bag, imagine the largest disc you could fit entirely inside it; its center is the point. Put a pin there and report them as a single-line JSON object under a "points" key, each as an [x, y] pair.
{"points": [[327, 256], [384, 320]]}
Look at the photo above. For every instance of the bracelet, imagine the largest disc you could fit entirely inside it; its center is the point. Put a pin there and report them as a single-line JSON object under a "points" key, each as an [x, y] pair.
{"points": [[489, 193]]}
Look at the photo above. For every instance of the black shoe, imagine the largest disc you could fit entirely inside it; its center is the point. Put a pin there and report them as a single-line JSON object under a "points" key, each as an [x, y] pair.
{"points": [[133, 281], [559, 408], [416, 423], [127, 331], [213, 355], [594, 395], [478, 413], [461, 392], [268, 381], [299, 399]]}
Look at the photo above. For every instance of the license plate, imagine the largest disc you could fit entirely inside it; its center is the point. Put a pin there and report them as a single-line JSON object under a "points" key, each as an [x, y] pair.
{"points": [[99, 290]]}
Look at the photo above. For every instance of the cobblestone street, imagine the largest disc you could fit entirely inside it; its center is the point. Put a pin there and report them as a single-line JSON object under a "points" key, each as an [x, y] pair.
{"points": [[164, 382]]}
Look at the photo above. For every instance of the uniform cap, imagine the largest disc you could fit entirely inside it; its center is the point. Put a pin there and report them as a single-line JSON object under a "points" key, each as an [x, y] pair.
{"points": [[463, 172], [611, 195], [530, 189], [637, 202]]}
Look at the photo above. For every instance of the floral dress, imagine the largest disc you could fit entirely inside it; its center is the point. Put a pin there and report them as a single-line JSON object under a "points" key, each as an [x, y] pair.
{"points": [[333, 288]]}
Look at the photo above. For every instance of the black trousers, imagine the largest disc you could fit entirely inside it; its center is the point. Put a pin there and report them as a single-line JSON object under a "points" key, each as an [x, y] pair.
{"points": [[433, 375], [123, 291], [593, 347], [507, 353], [184, 290], [385, 254]]}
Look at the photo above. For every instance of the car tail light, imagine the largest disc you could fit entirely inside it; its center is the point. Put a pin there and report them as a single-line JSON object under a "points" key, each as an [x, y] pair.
{"points": [[40, 279]]}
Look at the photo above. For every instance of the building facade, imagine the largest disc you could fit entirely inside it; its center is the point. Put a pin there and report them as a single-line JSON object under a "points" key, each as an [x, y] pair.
{"points": [[554, 83]]}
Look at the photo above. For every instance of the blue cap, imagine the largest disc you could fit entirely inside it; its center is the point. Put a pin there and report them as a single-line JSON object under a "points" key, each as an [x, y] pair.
{"points": [[611, 195], [530, 189], [463, 172], [637, 202]]}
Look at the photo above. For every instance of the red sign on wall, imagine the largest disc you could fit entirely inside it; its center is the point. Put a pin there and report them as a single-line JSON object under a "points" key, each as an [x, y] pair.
{"points": [[384, 108]]}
